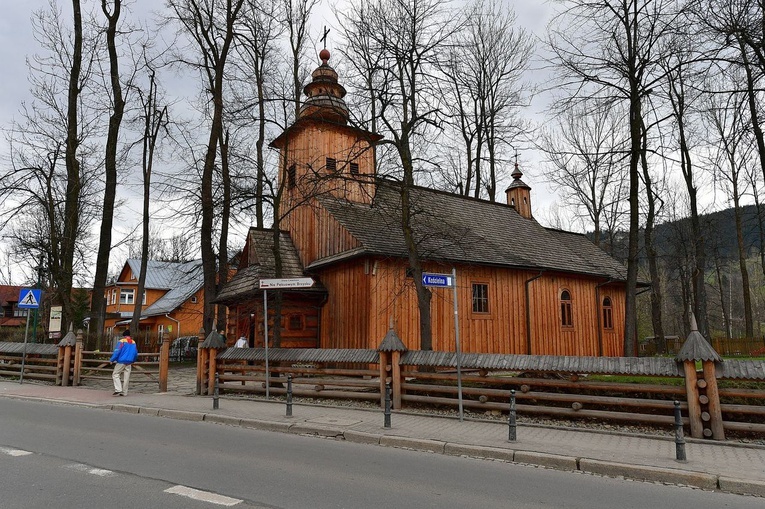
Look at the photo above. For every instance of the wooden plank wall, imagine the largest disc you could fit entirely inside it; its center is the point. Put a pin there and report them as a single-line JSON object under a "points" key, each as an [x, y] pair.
{"points": [[345, 316], [503, 330]]}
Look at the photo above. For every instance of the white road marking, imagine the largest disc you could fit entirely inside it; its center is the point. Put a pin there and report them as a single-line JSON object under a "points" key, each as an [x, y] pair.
{"points": [[204, 496], [14, 452], [90, 470]]}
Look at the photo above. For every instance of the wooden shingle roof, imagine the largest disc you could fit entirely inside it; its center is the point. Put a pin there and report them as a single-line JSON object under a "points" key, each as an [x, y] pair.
{"points": [[259, 263], [453, 228]]}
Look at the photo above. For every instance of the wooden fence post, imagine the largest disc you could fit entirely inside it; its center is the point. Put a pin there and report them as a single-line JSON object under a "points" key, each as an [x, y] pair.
{"points": [[201, 361], [715, 412], [696, 348], [692, 397], [392, 346], [385, 369], [164, 363], [66, 343], [212, 344], [77, 358], [60, 366]]}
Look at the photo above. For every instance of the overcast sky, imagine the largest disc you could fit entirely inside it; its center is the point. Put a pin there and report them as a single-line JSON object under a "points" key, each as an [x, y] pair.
{"points": [[17, 43]]}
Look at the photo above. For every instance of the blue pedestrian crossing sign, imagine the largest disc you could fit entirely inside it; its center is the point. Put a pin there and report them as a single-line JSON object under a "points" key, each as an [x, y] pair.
{"points": [[29, 298]]}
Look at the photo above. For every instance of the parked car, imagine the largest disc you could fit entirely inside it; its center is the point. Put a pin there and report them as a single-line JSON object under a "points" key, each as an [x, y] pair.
{"points": [[184, 348]]}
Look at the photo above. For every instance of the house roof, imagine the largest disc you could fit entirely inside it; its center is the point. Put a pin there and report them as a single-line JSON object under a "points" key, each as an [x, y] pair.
{"points": [[9, 294], [246, 282], [457, 229], [181, 280]]}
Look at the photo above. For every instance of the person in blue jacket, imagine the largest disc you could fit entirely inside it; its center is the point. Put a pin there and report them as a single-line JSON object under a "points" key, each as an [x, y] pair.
{"points": [[125, 354]]}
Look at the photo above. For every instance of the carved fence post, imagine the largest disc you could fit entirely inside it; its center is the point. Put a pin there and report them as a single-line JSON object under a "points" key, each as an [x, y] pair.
{"points": [[703, 398], [201, 364], [212, 344], [60, 366], [390, 350], [164, 363], [77, 358], [66, 344]]}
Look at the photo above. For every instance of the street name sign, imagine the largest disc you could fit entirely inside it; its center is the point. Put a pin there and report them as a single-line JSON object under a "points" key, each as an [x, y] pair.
{"points": [[295, 282], [439, 280], [29, 298]]}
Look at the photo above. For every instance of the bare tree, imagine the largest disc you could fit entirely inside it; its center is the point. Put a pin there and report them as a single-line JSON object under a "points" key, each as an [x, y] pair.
{"points": [[154, 118], [407, 38], [98, 304], [211, 25], [258, 53], [585, 156], [297, 14], [735, 147], [680, 71], [486, 91], [609, 50], [47, 190]]}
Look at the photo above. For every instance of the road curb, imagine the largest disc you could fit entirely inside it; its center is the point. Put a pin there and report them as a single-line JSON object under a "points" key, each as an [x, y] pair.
{"points": [[281, 427], [544, 459], [479, 451], [223, 419], [312, 429], [419, 444], [181, 415], [742, 486], [361, 437], [648, 473]]}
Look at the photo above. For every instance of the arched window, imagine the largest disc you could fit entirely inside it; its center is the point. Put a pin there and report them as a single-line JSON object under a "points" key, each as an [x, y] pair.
{"points": [[566, 318], [608, 315]]}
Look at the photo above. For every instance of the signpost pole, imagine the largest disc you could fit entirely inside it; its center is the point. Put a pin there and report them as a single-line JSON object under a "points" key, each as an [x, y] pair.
{"points": [[277, 283], [28, 299], [265, 339], [457, 341], [24, 351]]}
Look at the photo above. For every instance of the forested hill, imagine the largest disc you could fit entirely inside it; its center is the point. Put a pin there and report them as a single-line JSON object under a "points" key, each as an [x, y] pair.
{"points": [[673, 238]]}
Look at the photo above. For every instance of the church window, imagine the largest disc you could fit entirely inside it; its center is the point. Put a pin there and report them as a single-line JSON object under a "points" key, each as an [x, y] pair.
{"points": [[331, 164], [566, 318], [291, 176], [354, 168], [608, 315], [480, 298]]}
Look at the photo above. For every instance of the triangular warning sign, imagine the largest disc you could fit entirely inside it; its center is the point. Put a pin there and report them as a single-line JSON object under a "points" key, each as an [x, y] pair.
{"points": [[29, 300]]}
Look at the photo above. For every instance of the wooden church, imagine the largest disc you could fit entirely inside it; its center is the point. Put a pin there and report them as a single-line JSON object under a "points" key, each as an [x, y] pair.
{"points": [[521, 288]]}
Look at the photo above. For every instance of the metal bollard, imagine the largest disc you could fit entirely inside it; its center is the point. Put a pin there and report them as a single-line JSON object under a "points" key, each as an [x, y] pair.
{"points": [[387, 405], [215, 393], [679, 439], [511, 427], [289, 396]]}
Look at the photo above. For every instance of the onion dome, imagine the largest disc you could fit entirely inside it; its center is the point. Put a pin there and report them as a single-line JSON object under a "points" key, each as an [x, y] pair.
{"points": [[324, 94], [517, 182]]}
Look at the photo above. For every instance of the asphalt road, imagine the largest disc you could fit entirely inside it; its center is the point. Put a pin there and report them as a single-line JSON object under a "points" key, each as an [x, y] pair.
{"points": [[72, 457]]}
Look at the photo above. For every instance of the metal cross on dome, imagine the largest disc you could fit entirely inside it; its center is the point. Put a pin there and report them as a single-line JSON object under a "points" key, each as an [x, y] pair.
{"points": [[324, 37]]}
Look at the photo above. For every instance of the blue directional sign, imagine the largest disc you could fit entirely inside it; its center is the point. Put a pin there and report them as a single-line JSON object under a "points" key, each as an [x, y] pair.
{"points": [[29, 298], [439, 280]]}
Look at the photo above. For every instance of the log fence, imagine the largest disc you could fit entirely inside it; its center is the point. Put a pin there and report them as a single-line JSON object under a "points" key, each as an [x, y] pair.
{"points": [[564, 387], [68, 363]]}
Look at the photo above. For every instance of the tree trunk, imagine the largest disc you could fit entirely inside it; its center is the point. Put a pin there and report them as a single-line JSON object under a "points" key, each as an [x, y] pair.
{"points": [[73, 183], [748, 322], [653, 267], [98, 306]]}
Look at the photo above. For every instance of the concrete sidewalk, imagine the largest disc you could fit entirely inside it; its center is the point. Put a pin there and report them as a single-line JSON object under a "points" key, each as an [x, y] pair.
{"points": [[729, 467]]}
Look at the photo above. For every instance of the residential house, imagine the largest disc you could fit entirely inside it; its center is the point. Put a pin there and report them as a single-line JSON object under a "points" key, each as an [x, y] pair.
{"points": [[172, 300], [11, 315], [521, 288]]}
